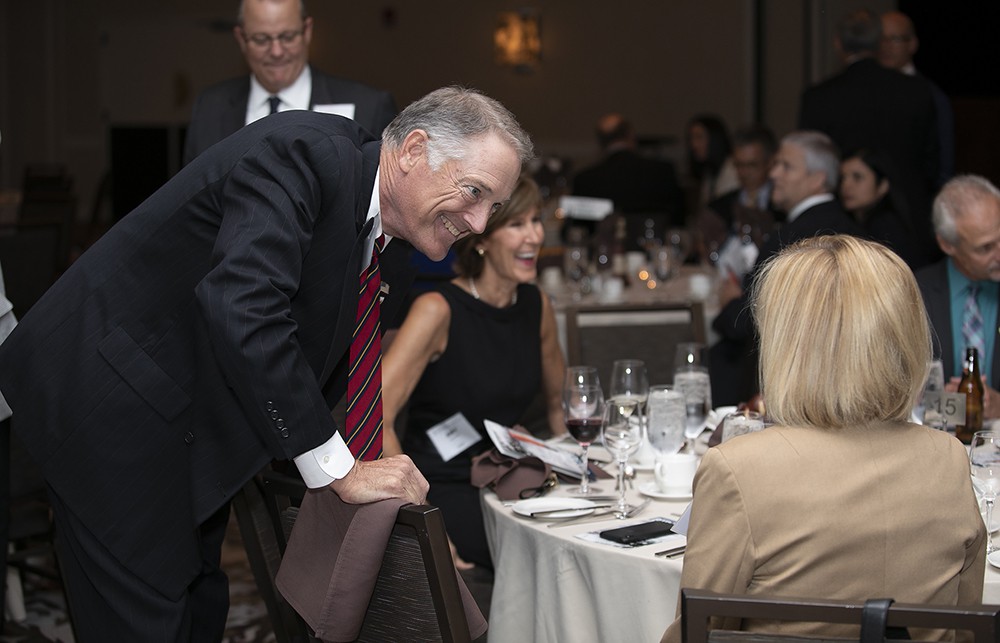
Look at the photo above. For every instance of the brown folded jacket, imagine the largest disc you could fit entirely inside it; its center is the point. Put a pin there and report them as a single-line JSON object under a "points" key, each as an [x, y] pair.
{"points": [[334, 554]]}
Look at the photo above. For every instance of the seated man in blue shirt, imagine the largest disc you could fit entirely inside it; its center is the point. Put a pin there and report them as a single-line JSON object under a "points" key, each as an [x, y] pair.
{"points": [[960, 292]]}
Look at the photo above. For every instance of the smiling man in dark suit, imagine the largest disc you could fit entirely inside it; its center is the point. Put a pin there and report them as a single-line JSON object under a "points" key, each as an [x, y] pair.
{"points": [[208, 332], [274, 36]]}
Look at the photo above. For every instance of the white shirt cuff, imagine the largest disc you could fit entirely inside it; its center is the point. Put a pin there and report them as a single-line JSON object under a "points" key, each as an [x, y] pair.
{"points": [[326, 463]]}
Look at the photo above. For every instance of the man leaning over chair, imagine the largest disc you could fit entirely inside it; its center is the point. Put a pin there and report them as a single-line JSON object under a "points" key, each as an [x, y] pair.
{"points": [[212, 330]]}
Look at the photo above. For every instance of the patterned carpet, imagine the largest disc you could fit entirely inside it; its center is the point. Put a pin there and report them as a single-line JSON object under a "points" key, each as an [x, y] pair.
{"points": [[45, 605], [248, 622]]}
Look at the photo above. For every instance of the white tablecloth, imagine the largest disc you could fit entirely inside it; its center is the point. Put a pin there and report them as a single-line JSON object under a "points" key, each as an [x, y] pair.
{"points": [[553, 587]]}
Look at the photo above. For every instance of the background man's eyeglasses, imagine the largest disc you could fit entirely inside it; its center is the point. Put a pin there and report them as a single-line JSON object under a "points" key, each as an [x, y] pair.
{"points": [[264, 41]]}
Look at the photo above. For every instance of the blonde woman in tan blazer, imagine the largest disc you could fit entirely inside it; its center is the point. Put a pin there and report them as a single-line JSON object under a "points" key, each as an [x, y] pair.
{"points": [[842, 498]]}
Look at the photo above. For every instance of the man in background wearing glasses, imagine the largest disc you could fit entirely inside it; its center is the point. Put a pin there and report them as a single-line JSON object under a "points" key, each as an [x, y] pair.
{"points": [[274, 36]]}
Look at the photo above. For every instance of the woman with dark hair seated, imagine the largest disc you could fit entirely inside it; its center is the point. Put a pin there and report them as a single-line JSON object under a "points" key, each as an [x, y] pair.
{"points": [[842, 498], [483, 345], [867, 192]]}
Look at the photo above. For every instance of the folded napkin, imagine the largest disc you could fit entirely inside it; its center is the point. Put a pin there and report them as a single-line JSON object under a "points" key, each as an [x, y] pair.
{"points": [[332, 561]]}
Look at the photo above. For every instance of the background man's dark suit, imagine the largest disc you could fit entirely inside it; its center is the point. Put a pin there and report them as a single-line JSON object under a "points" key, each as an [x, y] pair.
{"points": [[144, 380], [735, 352], [933, 282], [870, 106], [221, 109]]}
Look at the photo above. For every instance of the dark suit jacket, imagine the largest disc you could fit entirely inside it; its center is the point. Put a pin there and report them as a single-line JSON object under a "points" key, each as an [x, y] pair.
{"points": [[221, 109], [870, 106], [636, 184], [733, 359], [143, 381], [933, 282]]}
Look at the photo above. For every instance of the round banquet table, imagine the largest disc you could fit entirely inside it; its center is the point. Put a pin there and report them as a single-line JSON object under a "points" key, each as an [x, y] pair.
{"points": [[551, 586]]}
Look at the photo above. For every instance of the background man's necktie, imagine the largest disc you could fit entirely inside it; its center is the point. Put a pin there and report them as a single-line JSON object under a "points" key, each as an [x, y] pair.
{"points": [[972, 322], [364, 381], [273, 101]]}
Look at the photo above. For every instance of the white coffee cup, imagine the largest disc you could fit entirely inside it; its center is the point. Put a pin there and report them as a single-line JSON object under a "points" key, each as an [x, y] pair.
{"points": [[675, 473]]}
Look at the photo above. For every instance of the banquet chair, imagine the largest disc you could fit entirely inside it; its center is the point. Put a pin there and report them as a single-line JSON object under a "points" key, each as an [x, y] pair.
{"points": [[416, 595], [597, 335], [697, 606]]}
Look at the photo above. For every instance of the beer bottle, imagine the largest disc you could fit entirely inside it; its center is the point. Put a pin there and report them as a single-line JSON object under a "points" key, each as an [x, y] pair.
{"points": [[972, 386]]}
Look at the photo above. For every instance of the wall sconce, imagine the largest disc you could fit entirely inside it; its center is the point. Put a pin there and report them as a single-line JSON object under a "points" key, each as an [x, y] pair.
{"points": [[517, 39]]}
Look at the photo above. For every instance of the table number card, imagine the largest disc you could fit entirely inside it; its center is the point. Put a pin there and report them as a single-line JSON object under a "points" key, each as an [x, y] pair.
{"points": [[950, 406]]}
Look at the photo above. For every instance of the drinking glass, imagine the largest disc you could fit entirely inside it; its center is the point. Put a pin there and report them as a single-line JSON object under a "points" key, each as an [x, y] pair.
{"points": [[665, 419], [740, 423], [923, 412], [984, 458], [584, 408], [581, 376], [688, 354], [694, 383], [622, 435], [629, 381]]}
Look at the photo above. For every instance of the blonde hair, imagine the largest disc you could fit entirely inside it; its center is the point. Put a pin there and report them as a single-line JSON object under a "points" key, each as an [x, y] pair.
{"points": [[844, 337]]}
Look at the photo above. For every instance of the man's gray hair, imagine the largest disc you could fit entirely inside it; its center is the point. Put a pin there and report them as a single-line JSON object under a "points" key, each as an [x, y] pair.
{"points": [[452, 116], [956, 195], [821, 155]]}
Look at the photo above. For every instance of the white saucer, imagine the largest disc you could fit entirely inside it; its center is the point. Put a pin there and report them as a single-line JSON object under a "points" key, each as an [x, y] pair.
{"points": [[650, 489], [994, 559], [568, 507]]}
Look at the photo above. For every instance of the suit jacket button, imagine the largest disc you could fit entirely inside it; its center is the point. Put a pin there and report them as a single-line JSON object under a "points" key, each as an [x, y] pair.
{"points": [[280, 423], [269, 405], [188, 437], [284, 433], [274, 414]]}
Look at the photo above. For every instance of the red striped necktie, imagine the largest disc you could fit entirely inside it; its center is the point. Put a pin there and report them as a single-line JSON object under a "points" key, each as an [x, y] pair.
{"points": [[364, 381]]}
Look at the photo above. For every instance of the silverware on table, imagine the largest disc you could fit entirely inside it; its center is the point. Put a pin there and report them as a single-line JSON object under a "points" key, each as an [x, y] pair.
{"points": [[673, 552], [602, 516], [549, 512]]}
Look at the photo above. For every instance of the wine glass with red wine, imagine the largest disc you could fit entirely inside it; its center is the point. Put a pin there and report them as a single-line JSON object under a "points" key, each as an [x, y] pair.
{"points": [[584, 407]]}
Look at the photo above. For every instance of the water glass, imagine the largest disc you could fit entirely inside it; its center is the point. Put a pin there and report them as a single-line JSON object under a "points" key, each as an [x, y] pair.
{"points": [[622, 435], [666, 417], [694, 383], [741, 423]]}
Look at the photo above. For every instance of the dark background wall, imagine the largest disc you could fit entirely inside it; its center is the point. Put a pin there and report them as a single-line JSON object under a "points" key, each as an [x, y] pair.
{"points": [[77, 75]]}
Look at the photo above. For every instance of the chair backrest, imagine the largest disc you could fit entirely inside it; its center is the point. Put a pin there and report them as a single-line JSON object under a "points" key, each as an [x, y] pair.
{"points": [[416, 595], [697, 606], [597, 335]]}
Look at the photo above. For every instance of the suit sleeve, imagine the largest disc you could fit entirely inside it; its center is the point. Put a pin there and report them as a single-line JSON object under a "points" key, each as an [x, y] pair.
{"points": [[269, 205], [720, 548]]}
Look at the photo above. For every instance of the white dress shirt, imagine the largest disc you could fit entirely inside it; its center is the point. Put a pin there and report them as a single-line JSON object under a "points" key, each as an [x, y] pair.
{"points": [[295, 96]]}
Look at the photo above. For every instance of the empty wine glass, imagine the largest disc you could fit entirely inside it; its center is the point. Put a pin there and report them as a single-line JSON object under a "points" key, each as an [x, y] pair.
{"points": [[581, 376], [688, 354], [622, 435], [629, 381], [984, 459]]}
